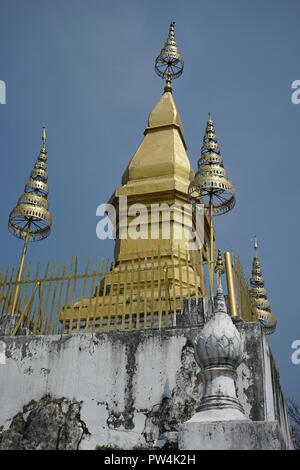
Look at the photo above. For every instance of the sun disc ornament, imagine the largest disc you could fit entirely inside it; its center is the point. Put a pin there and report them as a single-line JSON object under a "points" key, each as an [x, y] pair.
{"points": [[169, 64], [211, 180], [211, 186], [31, 216], [31, 220]]}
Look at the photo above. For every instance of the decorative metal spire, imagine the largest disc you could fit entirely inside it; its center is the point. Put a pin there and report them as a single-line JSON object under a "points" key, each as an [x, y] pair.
{"points": [[261, 306], [219, 268], [211, 180], [169, 64], [211, 184], [30, 220], [31, 212]]}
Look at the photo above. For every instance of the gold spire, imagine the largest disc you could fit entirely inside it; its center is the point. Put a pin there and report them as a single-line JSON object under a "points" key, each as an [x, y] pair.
{"points": [[261, 306], [211, 179], [211, 185], [219, 268], [31, 212], [30, 220], [162, 153], [44, 137], [255, 245], [169, 64], [219, 263], [158, 175]]}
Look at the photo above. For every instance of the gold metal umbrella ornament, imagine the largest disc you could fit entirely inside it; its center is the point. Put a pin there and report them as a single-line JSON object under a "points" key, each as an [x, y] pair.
{"points": [[211, 186], [169, 64], [261, 308], [31, 220]]}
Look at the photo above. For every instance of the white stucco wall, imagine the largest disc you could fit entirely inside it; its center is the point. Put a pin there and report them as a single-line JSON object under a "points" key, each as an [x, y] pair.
{"points": [[96, 371], [135, 388]]}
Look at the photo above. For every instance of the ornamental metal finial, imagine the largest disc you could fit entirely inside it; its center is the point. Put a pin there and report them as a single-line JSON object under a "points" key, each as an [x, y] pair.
{"points": [[169, 64], [260, 305], [31, 215], [219, 268], [211, 180], [211, 185], [30, 220], [44, 137], [255, 245]]}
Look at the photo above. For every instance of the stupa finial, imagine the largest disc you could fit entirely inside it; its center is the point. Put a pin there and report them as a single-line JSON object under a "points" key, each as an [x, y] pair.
{"points": [[211, 182], [169, 64], [31, 217], [44, 137], [211, 185], [260, 305], [30, 220], [255, 245]]}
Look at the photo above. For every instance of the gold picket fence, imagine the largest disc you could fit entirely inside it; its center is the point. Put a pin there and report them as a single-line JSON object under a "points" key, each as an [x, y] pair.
{"points": [[242, 294], [146, 293], [107, 297]]}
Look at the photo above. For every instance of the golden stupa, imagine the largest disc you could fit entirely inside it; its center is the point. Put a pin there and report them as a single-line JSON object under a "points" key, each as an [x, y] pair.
{"points": [[156, 179], [164, 237]]}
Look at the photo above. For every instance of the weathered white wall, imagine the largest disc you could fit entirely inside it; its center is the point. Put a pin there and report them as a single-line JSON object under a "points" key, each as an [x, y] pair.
{"points": [[134, 388], [106, 373]]}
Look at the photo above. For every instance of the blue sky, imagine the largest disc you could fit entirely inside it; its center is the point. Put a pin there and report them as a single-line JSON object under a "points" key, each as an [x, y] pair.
{"points": [[85, 70]]}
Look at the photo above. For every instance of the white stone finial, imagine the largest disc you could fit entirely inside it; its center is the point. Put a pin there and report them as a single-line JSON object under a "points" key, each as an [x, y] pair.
{"points": [[219, 351], [220, 300]]}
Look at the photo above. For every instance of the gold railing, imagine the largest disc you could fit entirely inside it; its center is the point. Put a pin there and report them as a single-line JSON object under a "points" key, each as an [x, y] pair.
{"points": [[242, 295], [145, 293]]}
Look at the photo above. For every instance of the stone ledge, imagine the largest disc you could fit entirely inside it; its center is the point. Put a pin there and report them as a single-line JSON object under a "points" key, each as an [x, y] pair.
{"points": [[231, 435]]}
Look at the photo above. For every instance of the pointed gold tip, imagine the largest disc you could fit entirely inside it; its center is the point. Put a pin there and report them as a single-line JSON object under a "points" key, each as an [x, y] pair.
{"points": [[255, 243], [44, 136], [209, 116], [169, 64]]}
